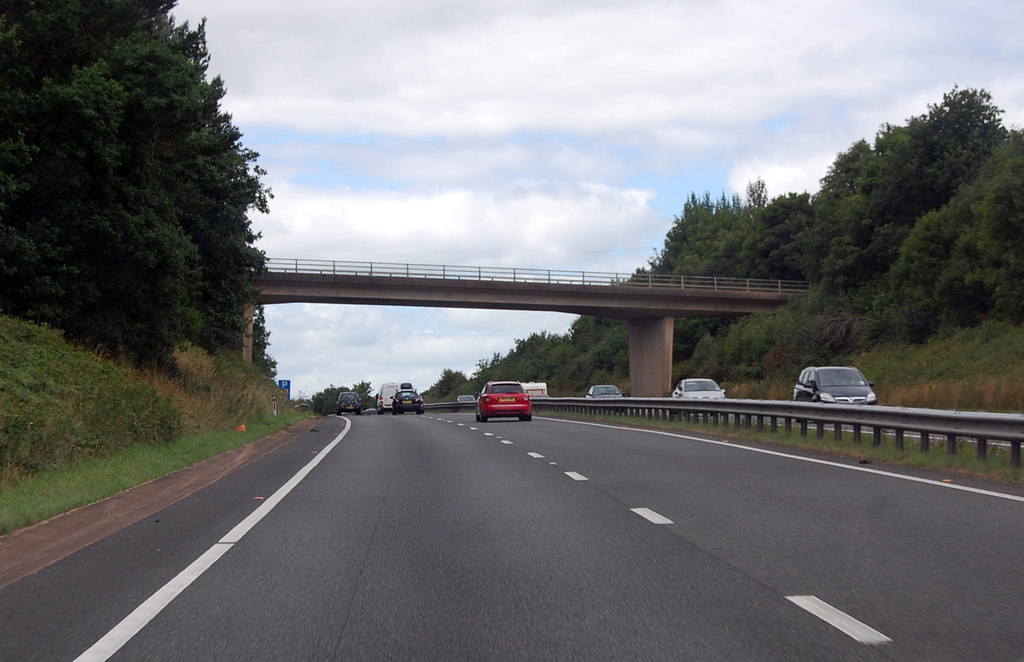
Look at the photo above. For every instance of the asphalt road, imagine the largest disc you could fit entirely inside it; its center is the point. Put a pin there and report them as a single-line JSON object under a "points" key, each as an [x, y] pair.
{"points": [[435, 537]]}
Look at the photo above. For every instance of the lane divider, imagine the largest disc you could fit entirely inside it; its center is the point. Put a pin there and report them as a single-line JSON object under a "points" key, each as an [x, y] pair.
{"points": [[842, 621], [652, 516]]}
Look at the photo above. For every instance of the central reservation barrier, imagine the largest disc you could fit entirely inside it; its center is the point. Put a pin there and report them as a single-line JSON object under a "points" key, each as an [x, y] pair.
{"points": [[948, 425]]}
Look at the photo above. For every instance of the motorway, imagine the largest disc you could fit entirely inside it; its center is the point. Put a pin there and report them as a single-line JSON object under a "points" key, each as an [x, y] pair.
{"points": [[435, 537]]}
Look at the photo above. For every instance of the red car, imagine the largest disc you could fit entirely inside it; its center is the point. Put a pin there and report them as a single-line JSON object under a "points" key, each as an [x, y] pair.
{"points": [[503, 399]]}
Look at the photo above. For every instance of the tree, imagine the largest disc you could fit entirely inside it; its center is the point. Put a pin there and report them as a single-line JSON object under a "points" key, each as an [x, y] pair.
{"points": [[123, 188]]}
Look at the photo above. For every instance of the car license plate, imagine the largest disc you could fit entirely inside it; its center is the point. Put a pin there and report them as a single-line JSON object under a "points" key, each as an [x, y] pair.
{"points": [[506, 399], [406, 402]]}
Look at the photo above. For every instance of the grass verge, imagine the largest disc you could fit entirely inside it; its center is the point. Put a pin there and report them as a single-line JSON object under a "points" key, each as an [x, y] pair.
{"points": [[52, 492]]}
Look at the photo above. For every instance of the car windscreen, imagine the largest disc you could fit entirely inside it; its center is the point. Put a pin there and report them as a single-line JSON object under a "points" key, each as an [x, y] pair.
{"points": [[700, 385], [606, 390], [840, 377]]}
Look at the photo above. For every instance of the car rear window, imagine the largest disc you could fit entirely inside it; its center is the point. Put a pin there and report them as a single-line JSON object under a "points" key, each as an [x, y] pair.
{"points": [[507, 388]]}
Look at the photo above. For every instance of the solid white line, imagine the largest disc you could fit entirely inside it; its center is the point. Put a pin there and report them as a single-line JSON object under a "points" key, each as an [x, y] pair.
{"points": [[651, 516], [112, 642], [838, 465], [838, 619], [576, 476], [535, 455]]}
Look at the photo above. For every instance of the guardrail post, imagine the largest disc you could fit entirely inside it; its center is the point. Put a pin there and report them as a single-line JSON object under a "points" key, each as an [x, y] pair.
{"points": [[951, 444], [856, 433], [899, 439], [926, 444], [821, 429], [1015, 453], [876, 436], [838, 431], [982, 448]]}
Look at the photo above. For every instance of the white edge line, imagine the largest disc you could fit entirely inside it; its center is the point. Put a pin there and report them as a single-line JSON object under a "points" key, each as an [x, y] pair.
{"points": [[828, 463], [112, 641], [842, 621]]}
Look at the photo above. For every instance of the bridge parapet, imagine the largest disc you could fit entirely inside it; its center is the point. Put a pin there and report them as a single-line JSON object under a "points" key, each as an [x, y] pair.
{"points": [[535, 276]]}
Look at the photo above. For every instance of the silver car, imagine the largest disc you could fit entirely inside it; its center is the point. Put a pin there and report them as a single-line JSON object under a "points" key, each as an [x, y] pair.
{"points": [[703, 389]]}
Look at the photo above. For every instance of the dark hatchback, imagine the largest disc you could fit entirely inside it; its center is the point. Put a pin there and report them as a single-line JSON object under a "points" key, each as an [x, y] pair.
{"points": [[349, 402], [835, 384], [406, 400]]}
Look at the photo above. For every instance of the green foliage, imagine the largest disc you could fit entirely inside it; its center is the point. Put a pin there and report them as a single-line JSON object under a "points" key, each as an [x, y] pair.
{"points": [[449, 386], [60, 405], [124, 188]]}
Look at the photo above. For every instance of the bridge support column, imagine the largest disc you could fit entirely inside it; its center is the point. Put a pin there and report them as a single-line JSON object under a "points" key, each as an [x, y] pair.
{"points": [[249, 312], [650, 356]]}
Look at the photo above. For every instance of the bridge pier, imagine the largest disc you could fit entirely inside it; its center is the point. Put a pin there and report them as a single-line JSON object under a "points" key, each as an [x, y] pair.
{"points": [[650, 356], [248, 312]]}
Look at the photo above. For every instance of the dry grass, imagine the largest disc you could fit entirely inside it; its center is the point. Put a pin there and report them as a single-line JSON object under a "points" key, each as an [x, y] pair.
{"points": [[213, 393]]}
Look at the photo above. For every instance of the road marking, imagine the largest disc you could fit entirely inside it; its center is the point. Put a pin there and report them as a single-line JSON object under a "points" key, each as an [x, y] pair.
{"points": [[576, 476], [790, 456], [132, 624], [488, 434], [506, 441], [652, 516], [842, 621], [535, 455]]}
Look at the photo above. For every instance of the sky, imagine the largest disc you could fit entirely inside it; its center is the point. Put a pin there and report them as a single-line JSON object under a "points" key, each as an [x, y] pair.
{"points": [[554, 135]]}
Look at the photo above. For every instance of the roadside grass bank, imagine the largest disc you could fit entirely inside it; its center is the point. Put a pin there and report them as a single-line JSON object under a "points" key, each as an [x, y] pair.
{"points": [[76, 427], [54, 492], [964, 463]]}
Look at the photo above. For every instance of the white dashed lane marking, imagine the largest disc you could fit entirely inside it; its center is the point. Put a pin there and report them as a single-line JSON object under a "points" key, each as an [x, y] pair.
{"points": [[576, 476], [840, 620], [651, 516], [535, 455]]}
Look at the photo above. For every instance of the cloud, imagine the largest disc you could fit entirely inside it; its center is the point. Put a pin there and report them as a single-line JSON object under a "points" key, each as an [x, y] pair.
{"points": [[535, 225]]}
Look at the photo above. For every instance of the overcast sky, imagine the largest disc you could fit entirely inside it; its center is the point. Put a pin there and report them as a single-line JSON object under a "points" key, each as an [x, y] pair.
{"points": [[562, 135]]}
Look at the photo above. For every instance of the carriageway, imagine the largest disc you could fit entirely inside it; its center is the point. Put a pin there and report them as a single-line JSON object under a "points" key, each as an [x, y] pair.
{"points": [[649, 303]]}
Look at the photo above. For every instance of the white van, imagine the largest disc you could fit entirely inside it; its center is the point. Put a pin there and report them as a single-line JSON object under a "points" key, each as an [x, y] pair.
{"points": [[384, 395]]}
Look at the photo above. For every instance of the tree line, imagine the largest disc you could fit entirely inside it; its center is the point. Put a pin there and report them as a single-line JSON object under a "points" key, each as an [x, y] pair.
{"points": [[912, 235], [125, 189]]}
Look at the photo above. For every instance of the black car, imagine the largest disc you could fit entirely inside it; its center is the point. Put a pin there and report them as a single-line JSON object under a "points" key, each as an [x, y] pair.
{"points": [[406, 400], [349, 401], [835, 384]]}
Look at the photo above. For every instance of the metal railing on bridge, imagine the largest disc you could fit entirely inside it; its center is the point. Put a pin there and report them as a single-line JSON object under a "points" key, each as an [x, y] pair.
{"points": [[520, 275]]}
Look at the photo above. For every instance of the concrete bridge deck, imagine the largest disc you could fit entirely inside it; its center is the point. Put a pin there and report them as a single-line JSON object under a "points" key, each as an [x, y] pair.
{"points": [[648, 302]]}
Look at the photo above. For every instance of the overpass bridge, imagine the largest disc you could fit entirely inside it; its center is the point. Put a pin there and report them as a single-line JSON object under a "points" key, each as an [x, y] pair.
{"points": [[649, 303]]}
